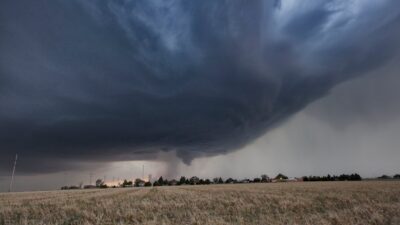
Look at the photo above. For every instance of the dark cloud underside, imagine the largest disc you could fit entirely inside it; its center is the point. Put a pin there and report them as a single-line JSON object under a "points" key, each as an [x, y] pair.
{"points": [[111, 80]]}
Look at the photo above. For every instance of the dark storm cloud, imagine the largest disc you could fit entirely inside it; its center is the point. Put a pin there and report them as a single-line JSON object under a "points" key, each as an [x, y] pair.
{"points": [[114, 80]]}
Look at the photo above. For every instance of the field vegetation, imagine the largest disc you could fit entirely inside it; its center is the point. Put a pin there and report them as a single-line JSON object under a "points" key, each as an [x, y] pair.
{"points": [[358, 202]]}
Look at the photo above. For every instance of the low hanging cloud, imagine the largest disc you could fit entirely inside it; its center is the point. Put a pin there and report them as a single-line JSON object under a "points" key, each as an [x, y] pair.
{"points": [[89, 80]]}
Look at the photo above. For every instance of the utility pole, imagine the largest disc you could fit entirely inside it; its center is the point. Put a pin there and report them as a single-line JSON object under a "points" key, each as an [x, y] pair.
{"points": [[13, 172]]}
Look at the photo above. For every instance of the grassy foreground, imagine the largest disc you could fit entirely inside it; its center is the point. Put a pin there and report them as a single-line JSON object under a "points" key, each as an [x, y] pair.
{"points": [[366, 202]]}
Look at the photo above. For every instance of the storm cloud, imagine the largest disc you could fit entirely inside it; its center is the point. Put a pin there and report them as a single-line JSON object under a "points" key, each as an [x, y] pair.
{"points": [[88, 80]]}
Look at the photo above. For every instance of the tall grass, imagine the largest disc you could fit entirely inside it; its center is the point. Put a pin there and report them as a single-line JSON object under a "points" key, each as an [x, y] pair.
{"points": [[366, 202]]}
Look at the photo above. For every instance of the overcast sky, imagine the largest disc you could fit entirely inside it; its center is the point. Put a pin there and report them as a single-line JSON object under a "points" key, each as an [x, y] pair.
{"points": [[207, 88]]}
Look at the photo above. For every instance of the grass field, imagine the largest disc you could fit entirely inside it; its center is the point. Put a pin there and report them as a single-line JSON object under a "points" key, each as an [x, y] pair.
{"points": [[366, 202]]}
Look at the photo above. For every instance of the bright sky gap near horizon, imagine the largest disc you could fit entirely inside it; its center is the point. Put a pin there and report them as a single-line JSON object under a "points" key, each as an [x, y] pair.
{"points": [[208, 88]]}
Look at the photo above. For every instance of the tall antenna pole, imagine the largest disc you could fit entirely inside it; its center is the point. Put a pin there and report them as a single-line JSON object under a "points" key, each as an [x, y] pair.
{"points": [[13, 172]]}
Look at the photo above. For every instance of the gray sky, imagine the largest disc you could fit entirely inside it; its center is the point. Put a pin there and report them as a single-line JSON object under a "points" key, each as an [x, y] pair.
{"points": [[230, 89]]}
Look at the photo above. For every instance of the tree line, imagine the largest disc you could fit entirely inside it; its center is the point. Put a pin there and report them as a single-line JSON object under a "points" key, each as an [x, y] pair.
{"points": [[386, 177], [342, 177], [194, 180]]}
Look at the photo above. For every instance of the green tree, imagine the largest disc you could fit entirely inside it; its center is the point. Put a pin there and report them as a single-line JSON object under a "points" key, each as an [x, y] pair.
{"points": [[160, 181], [384, 176], [229, 181], [139, 182], [99, 182], [126, 183], [182, 180], [264, 178], [257, 180], [194, 180], [281, 177]]}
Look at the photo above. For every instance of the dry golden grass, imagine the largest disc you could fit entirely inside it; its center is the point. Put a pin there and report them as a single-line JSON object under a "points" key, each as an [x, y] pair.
{"points": [[367, 202]]}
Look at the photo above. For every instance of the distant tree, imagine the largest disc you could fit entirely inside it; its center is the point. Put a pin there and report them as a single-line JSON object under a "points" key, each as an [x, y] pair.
{"points": [[230, 181], [126, 183], [138, 182], [397, 176], [355, 176], [207, 181], [182, 180], [99, 182], [264, 178], [147, 184], [160, 181], [257, 180], [166, 182], [281, 177], [384, 177], [156, 183], [220, 181], [187, 181], [215, 180], [194, 180]]}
